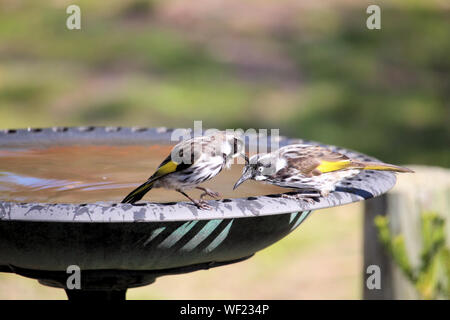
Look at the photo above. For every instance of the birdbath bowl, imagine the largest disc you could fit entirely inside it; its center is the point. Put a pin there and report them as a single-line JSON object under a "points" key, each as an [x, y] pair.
{"points": [[119, 246]]}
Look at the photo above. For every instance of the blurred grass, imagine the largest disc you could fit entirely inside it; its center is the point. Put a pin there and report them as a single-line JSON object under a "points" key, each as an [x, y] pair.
{"points": [[314, 71], [390, 88], [383, 92]]}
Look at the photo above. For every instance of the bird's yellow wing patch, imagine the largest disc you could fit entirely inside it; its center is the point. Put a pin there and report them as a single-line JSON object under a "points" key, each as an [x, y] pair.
{"points": [[329, 166], [167, 168]]}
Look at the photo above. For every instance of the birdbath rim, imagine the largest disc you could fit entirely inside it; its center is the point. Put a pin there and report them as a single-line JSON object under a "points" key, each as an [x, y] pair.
{"points": [[366, 185]]}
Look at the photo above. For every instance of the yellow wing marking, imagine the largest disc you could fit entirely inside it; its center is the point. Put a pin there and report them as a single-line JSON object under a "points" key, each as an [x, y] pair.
{"points": [[329, 166], [385, 167], [169, 167]]}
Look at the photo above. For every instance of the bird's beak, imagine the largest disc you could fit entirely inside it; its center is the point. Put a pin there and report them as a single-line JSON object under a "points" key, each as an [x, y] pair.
{"points": [[245, 176]]}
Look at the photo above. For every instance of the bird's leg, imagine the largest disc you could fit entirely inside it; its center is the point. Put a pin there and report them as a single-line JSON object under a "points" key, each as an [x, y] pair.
{"points": [[208, 192], [200, 204]]}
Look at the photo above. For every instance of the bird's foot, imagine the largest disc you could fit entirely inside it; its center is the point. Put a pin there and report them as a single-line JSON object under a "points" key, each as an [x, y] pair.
{"points": [[308, 197], [201, 204]]}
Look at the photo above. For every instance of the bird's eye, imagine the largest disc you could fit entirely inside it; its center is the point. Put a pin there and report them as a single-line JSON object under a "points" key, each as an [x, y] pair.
{"points": [[260, 169]]}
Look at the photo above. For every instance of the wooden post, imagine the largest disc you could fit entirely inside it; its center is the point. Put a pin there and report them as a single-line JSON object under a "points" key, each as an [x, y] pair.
{"points": [[428, 189], [374, 253]]}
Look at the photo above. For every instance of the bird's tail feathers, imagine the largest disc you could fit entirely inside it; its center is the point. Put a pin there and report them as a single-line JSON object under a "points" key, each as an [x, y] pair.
{"points": [[139, 192], [380, 166]]}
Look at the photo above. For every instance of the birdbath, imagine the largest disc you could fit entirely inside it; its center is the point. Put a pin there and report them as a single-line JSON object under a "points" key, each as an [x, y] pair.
{"points": [[119, 246]]}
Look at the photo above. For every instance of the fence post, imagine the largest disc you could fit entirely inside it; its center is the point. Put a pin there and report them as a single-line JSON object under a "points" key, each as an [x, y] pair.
{"points": [[374, 253], [428, 189]]}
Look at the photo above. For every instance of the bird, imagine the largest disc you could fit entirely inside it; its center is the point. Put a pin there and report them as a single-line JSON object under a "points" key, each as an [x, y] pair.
{"points": [[192, 162], [311, 170]]}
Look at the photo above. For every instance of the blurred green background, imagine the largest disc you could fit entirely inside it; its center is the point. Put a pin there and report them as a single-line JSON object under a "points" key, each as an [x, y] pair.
{"points": [[310, 68]]}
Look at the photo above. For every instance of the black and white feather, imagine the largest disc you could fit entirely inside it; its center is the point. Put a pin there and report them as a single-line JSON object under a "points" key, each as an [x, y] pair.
{"points": [[192, 162], [308, 168]]}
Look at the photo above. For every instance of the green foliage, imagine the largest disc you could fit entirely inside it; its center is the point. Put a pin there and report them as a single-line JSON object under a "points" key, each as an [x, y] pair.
{"points": [[393, 84], [432, 277], [322, 76]]}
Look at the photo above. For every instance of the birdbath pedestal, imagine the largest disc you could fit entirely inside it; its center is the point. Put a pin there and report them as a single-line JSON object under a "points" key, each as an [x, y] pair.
{"points": [[119, 246]]}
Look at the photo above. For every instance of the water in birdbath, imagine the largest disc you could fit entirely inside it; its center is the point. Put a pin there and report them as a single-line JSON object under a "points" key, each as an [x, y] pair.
{"points": [[82, 174]]}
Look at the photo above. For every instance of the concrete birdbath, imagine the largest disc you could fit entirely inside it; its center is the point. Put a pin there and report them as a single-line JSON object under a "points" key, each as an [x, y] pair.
{"points": [[60, 194]]}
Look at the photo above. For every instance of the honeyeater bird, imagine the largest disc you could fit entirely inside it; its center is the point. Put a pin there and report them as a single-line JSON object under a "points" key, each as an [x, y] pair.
{"points": [[192, 162], [307, 168]]}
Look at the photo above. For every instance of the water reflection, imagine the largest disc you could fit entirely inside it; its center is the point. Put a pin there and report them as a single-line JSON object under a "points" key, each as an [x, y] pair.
{"points": [[79, 174], [33, 182]]}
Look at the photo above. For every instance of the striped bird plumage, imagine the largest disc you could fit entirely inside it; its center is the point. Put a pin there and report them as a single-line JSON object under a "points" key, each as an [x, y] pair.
{"points": [[190, 163], [308, 167]]}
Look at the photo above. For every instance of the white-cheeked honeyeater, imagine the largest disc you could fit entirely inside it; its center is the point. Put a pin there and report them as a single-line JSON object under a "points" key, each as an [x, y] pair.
{"points": [[192, 162], [307, 168]]}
